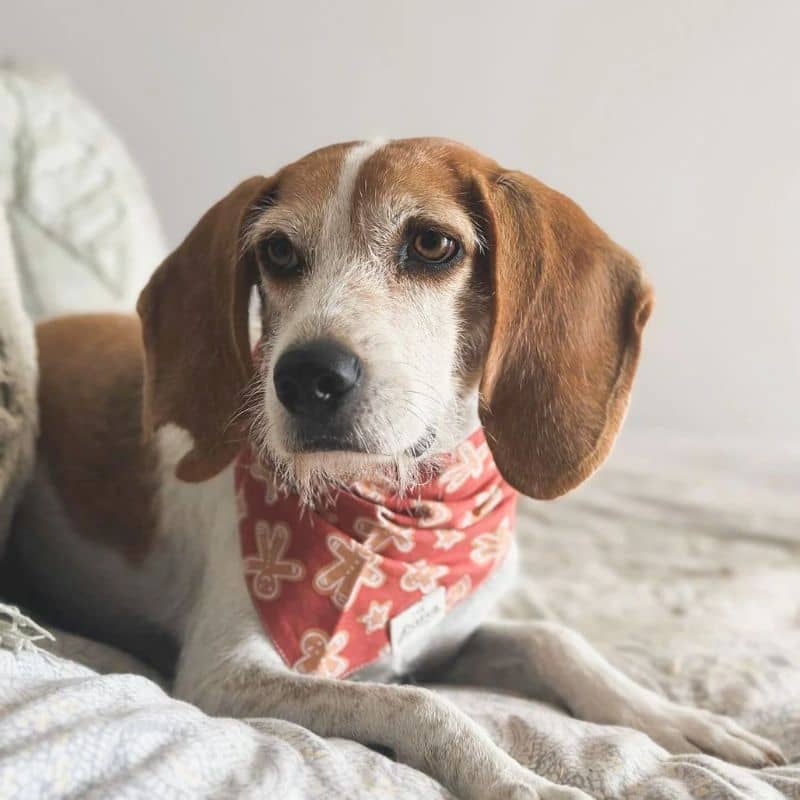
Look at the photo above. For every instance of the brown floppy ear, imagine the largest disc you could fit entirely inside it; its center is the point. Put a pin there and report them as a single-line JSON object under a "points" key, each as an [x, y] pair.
{"points": [[194, 326], [569, 307]]}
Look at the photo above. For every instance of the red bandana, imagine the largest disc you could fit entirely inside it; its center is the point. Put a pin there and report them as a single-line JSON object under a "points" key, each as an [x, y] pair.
{"points": [[331, 585]]}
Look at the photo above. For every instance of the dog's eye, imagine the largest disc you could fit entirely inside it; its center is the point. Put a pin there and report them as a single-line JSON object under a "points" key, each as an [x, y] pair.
{"points": [[277, 254], [433, 247]]}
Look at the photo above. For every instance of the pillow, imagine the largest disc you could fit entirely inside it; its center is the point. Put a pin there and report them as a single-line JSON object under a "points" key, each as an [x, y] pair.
{"points": [[84, 231]]}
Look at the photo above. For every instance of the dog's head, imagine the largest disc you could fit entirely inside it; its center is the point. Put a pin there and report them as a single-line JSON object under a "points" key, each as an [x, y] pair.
{"points": [[398, 280]]}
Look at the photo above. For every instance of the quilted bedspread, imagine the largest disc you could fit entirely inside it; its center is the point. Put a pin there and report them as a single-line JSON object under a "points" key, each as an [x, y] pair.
{"points": [[681, 561]]}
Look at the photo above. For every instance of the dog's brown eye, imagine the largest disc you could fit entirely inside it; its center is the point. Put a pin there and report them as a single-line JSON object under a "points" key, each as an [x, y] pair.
{"points": [[277, 254], [434, 246]]}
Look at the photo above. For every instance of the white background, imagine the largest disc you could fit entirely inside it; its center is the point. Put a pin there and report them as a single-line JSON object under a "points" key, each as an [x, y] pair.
{"points": [[675, 124]]}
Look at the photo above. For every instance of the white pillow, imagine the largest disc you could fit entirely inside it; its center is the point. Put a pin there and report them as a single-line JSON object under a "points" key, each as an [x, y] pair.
{"points": [[84, 231]]}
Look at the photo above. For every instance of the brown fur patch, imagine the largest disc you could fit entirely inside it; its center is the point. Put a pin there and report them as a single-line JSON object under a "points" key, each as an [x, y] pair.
{"points": [[90, 397]]}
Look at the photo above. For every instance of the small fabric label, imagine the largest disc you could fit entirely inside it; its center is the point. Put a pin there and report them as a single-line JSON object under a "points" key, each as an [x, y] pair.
{"points": [[409, 627]]}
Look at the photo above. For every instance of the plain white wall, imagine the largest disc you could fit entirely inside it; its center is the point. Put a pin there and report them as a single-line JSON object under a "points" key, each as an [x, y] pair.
{"points": [[675, 124]]}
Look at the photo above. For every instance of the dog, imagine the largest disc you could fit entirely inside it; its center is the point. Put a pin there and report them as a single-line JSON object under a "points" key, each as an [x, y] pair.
{"points": [[422, 310]]}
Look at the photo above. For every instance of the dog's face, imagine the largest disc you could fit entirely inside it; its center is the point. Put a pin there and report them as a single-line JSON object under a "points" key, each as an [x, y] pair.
{"points": [[396, 279], [375, 312]]}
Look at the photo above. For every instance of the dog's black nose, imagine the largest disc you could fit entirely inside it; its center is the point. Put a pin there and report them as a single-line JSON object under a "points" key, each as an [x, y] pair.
{"points": [[313, 380]]}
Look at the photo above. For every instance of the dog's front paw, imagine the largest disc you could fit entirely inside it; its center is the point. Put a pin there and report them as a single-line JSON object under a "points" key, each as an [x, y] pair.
{"points": [[683, 729]]}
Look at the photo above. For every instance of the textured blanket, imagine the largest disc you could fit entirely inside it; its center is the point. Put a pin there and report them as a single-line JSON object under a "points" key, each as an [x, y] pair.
{"points": [[682, 562]]}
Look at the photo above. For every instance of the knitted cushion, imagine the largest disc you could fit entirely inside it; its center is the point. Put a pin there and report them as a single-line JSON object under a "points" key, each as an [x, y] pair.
{"points": [[84, 231]]}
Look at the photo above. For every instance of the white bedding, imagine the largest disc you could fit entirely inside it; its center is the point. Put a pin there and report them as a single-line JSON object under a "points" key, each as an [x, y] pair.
{"points": [[681, 561]]}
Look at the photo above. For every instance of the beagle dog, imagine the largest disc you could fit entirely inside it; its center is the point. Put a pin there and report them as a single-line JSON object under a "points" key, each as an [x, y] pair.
{"points": [[333, 496]]}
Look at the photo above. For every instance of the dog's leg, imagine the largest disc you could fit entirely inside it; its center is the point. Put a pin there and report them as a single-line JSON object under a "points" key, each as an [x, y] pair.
{"points": [[423, 729], [552, 662]]}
